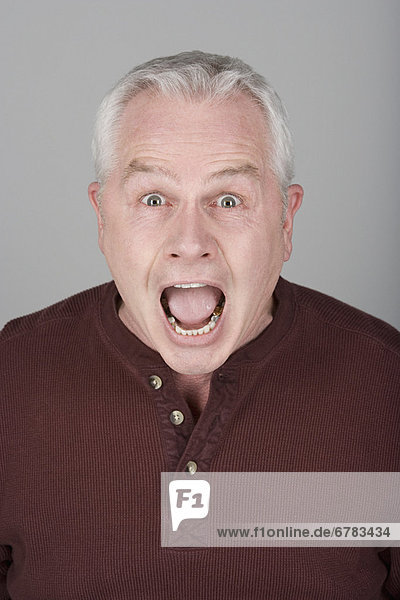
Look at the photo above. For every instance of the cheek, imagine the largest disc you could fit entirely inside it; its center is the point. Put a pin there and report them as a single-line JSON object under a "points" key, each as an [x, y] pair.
{"points": [[126, 248], [259, 251]]}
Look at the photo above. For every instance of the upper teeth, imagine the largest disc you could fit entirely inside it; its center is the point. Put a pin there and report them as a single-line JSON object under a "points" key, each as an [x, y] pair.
{"points": [[189, 285]]}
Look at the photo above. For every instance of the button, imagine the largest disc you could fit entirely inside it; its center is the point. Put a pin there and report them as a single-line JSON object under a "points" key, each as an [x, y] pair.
{"points": [[176, 417], [155, 381], [191, 467]]}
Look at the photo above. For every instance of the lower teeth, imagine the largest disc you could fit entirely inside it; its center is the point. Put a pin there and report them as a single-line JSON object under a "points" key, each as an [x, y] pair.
{"points": [[206, 329]]}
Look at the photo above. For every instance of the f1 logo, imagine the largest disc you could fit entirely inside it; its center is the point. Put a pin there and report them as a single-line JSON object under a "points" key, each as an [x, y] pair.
{"points": [[188, 500]]}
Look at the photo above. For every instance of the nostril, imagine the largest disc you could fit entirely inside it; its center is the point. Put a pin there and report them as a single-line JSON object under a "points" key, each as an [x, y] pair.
{"points": [[175, 255]]}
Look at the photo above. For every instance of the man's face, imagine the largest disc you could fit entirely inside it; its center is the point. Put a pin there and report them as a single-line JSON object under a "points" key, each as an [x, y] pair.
{"points": [[193, 203]]}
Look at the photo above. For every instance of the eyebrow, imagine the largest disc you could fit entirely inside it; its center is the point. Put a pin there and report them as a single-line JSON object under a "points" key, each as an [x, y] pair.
{"points": [[136, 166], [245, 169]]}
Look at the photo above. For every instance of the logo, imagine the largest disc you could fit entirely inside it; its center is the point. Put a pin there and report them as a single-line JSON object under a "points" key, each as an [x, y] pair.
{"points": [[188, 500]]}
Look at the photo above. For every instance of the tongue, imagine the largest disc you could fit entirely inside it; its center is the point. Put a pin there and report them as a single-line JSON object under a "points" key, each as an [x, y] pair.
{"points": [[192, 306]]}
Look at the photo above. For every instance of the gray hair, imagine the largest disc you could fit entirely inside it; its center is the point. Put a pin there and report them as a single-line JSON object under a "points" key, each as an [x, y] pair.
{"points": [[194, 75]]}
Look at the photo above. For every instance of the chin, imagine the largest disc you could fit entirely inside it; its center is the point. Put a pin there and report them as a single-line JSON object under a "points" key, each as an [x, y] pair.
{"points": [[194, 361]]}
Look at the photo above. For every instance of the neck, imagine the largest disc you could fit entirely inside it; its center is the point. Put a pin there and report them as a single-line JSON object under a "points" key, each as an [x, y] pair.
{"points": [[195, 390]]}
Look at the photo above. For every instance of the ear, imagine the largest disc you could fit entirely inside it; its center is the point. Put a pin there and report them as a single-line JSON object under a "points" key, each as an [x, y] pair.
{"points": [[295, 197], [93, 191]]}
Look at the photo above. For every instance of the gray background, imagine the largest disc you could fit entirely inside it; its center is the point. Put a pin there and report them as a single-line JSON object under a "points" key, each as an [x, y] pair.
{"points": [[335, 64]]}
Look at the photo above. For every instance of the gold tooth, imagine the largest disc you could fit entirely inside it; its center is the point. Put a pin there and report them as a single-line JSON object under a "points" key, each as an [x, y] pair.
{"points": [[217, 310]]}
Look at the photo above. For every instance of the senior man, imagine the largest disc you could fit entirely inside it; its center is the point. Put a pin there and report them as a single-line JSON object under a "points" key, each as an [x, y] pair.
{"points": [[198, 356]]}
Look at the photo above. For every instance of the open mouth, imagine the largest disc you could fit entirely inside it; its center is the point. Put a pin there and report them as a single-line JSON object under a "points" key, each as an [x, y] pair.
{"points": [[192, 308]]}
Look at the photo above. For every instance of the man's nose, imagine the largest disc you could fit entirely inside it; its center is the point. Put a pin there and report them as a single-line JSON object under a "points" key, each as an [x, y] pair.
{"points": [[191, 236]]}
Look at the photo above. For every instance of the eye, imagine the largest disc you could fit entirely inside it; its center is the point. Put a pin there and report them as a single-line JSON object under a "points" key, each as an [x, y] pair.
{"points": [[228, 201], [153, 200]]}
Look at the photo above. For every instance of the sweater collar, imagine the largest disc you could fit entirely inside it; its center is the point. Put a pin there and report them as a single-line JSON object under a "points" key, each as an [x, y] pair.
{"points": [[255, 351]]}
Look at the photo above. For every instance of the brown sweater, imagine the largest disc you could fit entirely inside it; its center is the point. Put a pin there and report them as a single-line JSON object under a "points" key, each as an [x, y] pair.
{"points": [[84, 438]]}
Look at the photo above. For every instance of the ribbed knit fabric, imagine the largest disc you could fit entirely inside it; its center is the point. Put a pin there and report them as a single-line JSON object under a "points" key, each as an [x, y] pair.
{"points": [[84, 438]]}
